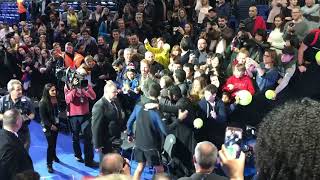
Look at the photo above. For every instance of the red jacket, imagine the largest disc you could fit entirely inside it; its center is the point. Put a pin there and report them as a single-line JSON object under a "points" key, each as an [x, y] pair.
{"points": [[259, 24], [73, 99], [242, 83]]}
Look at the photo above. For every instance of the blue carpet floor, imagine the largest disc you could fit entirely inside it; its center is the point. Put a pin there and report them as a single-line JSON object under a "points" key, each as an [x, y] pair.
{"points": [[69, 168]]}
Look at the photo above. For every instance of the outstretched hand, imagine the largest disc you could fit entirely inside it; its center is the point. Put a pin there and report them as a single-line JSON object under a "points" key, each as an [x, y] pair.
{"points": [[234, 168]]}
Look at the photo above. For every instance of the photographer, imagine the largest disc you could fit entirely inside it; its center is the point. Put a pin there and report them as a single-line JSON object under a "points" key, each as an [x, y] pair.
{"points": [[298, 26], [78, 93]]}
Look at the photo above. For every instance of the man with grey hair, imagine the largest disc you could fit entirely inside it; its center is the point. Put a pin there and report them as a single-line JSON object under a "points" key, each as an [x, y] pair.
{"points": [[205, 157], [13, 156], [114, 163], [15, 100], [107, 121], [128, 57]]}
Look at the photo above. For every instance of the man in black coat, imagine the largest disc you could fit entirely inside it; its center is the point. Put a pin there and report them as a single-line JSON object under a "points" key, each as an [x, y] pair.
{"points": [[107, 121], [13, 156]]}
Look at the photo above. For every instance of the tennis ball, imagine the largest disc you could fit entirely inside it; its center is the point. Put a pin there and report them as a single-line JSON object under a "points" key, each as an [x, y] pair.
{"points": [[318, 57], [270, 94], [245, 97], [198, 123], [166, 47]]}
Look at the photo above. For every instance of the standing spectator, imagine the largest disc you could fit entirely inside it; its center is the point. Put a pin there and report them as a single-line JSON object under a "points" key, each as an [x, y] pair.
{"points": [[223, 8], [22, 11], [13, 156], [34, 9], [101, 72], [238, 81], [154, 65], [88, 43], [201, 52], [64, 12], [48, 108], [311, 13], [15, 100], [161, 51], [136, 45], [60, 34], [202, 9], [77, 99], [140, 27], [117, 43], [72, 18], [275, 10], [213, 113], [287, 11], [107, 121], [72, 59], [267, 73], [276, 35], [84, 13], [254, 22], [298, 26]]}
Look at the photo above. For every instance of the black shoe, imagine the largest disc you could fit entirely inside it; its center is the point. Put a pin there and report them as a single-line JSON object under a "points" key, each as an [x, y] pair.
{"points": [[50, 169], [79, 159], [92, 164], [56, 159]]}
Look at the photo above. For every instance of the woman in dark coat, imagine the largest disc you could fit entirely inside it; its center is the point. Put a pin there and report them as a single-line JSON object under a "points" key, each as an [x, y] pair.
{"points": [[48, 108]]}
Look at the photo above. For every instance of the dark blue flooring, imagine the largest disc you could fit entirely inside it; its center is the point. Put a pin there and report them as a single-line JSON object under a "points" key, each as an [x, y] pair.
{"points": [[69, 168]]}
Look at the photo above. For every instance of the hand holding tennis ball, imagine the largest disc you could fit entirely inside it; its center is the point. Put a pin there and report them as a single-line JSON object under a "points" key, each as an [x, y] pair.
{"points": [[198, 123], [270, 94]]}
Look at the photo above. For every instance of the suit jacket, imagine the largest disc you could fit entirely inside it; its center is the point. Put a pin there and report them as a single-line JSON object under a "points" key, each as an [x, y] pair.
{"points": [[13, 156], [106, 127], [185, 58]]}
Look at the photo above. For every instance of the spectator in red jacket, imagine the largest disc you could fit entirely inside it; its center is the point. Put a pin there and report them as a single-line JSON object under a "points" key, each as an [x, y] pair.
{"points": [[238, 81]]}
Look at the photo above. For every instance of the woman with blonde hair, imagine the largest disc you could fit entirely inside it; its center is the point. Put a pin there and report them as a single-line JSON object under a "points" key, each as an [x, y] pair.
{"points": [[196, 92]]}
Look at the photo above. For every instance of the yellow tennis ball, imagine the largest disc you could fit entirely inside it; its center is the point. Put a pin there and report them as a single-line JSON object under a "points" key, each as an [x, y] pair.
{"points": [[318, 57], [198, 123], [270, 94], [166, 47], [245, 97]]}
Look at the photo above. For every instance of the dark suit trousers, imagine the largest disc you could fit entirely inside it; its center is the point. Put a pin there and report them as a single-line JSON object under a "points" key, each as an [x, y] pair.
{"points": [[81, 124], [51, 137]]}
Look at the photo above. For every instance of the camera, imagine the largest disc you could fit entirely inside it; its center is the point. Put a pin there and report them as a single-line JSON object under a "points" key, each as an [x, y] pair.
{"points": [[69, 75]]}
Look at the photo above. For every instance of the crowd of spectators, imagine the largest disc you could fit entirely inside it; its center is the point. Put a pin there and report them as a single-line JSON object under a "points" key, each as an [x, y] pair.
{"points": [[151, 68]]}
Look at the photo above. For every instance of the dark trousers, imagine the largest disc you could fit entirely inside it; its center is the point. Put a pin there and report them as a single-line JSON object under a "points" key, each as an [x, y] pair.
{"points": [[51, 137], [24, 136], [82, 124]]}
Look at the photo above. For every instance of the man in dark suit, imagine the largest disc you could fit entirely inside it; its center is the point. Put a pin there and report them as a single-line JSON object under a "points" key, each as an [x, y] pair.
{"points": [[13, 156], [185, 48], [107, 121]]}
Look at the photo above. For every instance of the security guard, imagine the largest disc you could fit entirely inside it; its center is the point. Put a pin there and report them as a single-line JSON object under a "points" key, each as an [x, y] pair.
{"points": [[15, 100]]}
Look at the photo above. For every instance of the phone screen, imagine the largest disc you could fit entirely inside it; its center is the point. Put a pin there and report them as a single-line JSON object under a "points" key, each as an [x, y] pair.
{"points": [[233, 140]]}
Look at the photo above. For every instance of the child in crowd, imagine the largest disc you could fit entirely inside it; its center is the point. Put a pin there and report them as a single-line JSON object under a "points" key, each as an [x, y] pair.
{"points": [[131, 82], [238, 81], [243, 58]]}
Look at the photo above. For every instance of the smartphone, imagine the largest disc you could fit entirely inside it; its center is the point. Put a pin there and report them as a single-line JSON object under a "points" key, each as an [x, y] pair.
{"points": [[233, 140], [84, 83]]}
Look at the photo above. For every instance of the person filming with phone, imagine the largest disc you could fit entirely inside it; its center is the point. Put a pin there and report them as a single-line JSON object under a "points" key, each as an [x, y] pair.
{"points": [[78, 93]]}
